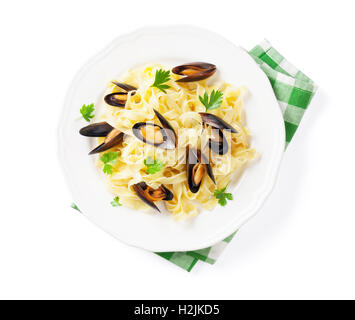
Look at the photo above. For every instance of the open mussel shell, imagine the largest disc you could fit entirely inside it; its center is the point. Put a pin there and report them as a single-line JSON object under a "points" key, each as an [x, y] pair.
{"points": [[163, 137], [197, 167], [194, 71], [216, 122], [150, 133], [119, 99], [116, 99], [100, 129], [112, 139], [149, 195], [171, 142], [124, 86], [218, 144]]}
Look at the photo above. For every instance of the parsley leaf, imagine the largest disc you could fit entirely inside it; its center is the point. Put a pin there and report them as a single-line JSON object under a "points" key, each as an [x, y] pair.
{"points": [[86, 111], [109, 159], [108, 169], [161, 77], [214, 101], [153, 166], [74, 206], [223, 196], [116, 202]]}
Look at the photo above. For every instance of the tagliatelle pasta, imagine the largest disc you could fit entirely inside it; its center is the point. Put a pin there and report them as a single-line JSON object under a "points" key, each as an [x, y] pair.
{"points": [[180, 105]]}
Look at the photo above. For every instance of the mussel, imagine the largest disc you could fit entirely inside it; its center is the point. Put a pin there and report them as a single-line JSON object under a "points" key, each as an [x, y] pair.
{"points": [[169, 130], [194, 71], [102, 129], [162, 137], [216, 122], [197, 166], [124, 86], [150, 133], [119, 99], [149, 195], [218, 142]]}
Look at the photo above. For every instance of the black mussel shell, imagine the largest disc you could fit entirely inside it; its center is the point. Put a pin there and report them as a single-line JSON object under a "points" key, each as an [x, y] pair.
{"points": [[137, 131], [170, 132], [208, 165], [216, 122], [116, 99], [112, 140], [195, 157], [124, 86], [100, 129], [119, 99], [166, 134], [220, 147], [194, 71], [168, 194], [140, 188]]}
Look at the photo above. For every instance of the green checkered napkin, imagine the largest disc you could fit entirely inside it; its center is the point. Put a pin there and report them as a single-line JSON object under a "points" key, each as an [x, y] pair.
{"points": [[294, 91]]}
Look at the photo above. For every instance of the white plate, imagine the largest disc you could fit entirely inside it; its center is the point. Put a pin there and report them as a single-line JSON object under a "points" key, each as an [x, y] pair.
{"points": [[172, 45]]}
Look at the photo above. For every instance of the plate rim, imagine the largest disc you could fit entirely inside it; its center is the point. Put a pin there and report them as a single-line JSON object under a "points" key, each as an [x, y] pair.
{"points": [[273, 170]]}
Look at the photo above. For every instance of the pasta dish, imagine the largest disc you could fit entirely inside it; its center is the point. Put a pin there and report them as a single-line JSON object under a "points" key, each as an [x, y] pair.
{"points": [[171, 137]]}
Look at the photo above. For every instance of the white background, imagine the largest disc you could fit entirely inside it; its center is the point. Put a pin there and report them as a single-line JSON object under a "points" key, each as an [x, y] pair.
{"points": [[301, 244]]}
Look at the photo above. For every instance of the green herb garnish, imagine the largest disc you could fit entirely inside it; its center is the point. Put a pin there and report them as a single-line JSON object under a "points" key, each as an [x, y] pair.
{"points": [[109, 159], [223, 196], [87, 111], [161, 77], [116, 202], [214, 101], [74, 206], [153, 166]]}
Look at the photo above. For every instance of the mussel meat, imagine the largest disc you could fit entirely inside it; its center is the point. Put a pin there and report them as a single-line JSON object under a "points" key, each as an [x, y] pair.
{"points": [[194, 71], [149, 195], [197, 166], [162, 137], [119, 99], [100, 129], [218, 142], [112, 139]]}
